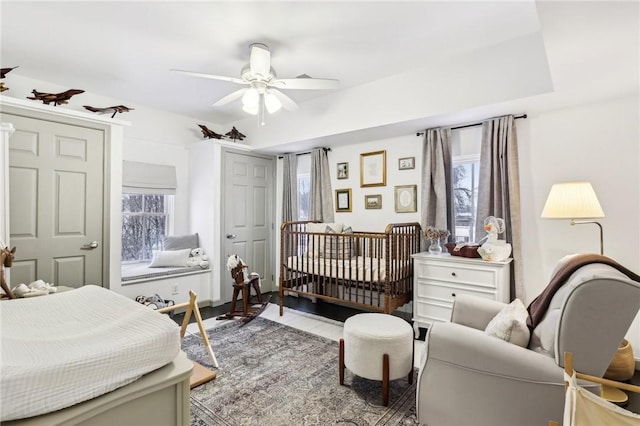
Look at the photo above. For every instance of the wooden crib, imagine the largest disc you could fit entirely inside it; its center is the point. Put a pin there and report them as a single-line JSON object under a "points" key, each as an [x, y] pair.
{"points": [[367, 270]]}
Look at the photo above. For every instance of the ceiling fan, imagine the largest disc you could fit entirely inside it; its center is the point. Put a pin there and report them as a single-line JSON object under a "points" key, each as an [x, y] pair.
{"points": [[264, 91]]}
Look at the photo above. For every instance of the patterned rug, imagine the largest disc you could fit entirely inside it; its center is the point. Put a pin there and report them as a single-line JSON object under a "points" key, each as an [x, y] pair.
{"points": [[272, 374]]}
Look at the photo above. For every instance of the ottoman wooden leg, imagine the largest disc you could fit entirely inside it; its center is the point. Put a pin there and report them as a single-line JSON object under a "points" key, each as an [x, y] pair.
{"points": [[385, 380], [341, 362]]}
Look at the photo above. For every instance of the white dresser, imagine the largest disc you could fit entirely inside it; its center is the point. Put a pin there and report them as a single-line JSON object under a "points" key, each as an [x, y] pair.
{"points": [[438, 279]]}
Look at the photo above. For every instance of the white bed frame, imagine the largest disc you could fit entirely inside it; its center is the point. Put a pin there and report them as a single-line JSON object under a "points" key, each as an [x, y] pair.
{"points": [[158, 398]]}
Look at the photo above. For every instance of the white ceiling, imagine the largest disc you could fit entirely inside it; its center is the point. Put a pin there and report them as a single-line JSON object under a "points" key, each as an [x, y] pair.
{"points": [[124, 50]]}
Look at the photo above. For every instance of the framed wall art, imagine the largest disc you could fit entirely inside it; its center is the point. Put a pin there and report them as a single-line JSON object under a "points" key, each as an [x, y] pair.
{"points": [[343, 200], [373, 169], [343, 170], [373, 201], [405, 198], [407, 163]]}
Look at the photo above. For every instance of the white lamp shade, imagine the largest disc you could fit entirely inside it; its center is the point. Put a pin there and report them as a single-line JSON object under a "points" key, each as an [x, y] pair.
{"points": [[572, 200]]}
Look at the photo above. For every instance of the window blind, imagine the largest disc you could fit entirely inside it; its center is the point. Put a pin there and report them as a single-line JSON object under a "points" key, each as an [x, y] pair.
{"points": [[145, 178]]}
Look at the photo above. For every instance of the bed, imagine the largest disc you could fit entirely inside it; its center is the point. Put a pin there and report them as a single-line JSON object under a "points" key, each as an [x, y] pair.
{"points": [[367, 270], [90, 356]]}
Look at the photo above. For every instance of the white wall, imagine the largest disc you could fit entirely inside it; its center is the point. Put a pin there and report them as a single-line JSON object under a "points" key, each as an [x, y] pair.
{"points": [[599, 143], [362, 219]]}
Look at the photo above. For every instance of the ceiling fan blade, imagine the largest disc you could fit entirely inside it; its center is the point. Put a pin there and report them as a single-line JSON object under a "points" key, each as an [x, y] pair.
{"points": [[260, 60], [231, 97], [211, 76], [287, 102], [304, 83]]}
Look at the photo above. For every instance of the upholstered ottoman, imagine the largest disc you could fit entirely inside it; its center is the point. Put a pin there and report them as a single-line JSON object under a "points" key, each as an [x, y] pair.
{"points": [[377, 347]]}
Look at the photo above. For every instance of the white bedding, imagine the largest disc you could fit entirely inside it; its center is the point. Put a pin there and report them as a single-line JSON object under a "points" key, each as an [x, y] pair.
{"points": [[358, 268], [61, 349]]}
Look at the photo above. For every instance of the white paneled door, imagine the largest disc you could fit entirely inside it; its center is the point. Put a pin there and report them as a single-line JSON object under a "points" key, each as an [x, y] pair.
{"points": [[248, 216], [56, 202]]}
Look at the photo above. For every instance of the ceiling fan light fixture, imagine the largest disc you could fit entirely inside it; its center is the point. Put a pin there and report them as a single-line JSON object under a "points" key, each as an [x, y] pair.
{"points": [[250, 100], [272, 103], [250, 109]]}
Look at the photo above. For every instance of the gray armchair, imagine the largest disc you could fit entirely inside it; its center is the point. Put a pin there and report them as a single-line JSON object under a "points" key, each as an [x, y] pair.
{"points": [[470, 378]]}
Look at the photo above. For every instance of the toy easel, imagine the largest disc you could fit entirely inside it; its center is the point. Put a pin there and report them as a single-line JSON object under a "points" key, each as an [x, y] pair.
{"points": [[201, 374], [6, 260]]}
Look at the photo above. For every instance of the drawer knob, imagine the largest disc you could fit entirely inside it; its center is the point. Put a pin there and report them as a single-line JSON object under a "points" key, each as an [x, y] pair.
{"points": [[453, 294], [453, 274]]}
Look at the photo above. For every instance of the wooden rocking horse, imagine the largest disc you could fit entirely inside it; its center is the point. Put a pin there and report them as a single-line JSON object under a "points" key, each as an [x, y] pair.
{"points": [[6, 260], [244, 285]]}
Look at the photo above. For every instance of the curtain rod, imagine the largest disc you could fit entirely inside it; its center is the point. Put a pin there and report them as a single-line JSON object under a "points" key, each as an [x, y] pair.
{"points": [[306, 152], [463, 126]]}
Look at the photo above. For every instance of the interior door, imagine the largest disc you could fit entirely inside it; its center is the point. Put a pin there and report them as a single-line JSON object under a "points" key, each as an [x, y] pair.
{"points": [[248, 216], [56, 202]]}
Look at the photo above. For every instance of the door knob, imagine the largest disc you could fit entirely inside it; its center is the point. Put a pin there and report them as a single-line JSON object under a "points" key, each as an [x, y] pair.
{"points": [[231, 236], [92, 245]]}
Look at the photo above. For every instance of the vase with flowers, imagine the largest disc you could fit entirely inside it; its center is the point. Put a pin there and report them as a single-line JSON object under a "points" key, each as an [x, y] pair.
{"points": [[434, 236]]}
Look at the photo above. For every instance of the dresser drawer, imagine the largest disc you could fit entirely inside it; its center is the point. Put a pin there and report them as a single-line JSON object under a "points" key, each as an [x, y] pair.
{"points": [[448, 291], [458, 274]]}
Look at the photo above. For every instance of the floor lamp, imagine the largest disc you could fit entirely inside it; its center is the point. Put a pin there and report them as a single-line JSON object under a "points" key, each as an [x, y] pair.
{"points": [[574, 200]]}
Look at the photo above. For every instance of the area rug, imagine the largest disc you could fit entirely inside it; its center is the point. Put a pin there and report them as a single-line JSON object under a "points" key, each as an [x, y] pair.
{"points": [[272, 374]]}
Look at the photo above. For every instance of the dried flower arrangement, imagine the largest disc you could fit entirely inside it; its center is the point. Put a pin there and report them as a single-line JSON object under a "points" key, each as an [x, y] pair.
{"points": [[432, 233]]}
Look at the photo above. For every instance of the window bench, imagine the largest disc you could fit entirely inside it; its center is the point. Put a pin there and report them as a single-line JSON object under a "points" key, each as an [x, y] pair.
{"points": [[141, 272]]}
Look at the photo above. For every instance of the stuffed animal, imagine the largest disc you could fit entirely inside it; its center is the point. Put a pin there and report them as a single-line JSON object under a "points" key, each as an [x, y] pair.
{"points": [[198, 258], [494, 249], [155, 302]]}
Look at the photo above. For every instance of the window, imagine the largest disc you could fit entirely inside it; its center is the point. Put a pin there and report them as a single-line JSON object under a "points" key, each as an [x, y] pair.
{"points": [[465, 145], [465, 197], [304, 186], [147, 206], [145, 222]]}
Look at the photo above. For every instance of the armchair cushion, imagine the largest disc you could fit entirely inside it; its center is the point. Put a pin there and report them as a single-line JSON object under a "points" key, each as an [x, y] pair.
{"points": [[510, 324], [475, 312]]}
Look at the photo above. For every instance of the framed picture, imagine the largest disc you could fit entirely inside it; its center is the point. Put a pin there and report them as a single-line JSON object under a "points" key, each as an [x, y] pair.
{"points": [[343, 200], [405, 198], [407, 163], [343, 170], [373, 201], [373, 169]]}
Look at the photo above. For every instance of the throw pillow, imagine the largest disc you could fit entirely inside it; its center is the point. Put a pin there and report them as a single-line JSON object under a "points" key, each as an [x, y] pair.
{"points": [[162, 259], [510, 324], [180, 242], [338, 247], [316, 242]]}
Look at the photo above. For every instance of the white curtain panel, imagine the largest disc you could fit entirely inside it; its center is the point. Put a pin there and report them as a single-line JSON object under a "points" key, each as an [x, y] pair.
{"points": [[499, 189]]}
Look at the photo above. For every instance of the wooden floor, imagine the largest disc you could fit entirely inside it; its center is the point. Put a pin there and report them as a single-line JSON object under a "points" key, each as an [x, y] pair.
{"points": [[320, 308]]}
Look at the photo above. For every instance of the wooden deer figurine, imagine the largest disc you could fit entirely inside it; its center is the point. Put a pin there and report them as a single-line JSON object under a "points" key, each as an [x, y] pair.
{"points": [[6, 260]]}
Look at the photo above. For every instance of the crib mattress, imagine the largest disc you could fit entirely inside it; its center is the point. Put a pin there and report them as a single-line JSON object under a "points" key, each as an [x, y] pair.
{"points": [[357, 268], [62, 349]]}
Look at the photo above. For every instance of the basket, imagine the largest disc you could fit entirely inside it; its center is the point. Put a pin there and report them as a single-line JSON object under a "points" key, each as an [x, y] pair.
{"points": [[468, 250]]}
